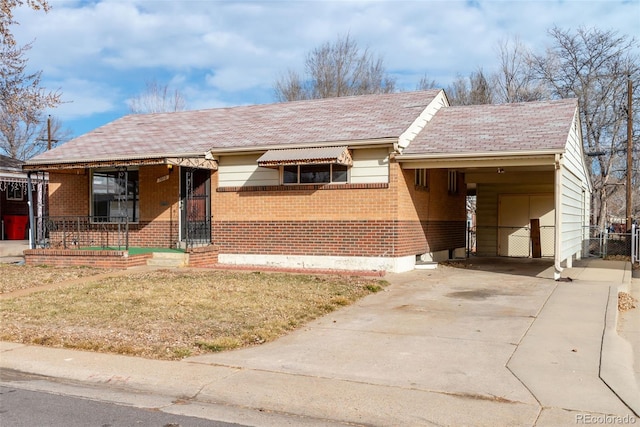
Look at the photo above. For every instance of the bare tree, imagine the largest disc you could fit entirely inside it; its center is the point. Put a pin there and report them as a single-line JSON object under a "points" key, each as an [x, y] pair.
{"points": [[336, 69], [290, 87], [593, 65], [21, 96], [23, 140], [157, 99], [515, 81], [473, 90], [427, 83]]}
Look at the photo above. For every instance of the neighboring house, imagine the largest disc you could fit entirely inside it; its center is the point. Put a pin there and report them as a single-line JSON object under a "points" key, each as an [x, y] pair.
{"points": [[14, 198], [368, 182]]}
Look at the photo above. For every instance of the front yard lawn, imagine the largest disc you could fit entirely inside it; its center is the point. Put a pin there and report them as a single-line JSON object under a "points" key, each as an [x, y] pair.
{"points": [[172, 314]]}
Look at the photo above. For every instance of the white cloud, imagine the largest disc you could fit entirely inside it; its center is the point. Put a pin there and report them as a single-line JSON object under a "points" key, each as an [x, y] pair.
{"points": [[217, 52]]}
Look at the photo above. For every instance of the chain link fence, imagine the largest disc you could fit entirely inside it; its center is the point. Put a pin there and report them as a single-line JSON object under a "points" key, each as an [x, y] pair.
{"points": [[509, 241], [605, 243]]}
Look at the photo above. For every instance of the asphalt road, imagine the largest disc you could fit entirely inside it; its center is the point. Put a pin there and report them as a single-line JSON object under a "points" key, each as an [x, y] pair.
{"points": [[21, 407], [24, 408]]}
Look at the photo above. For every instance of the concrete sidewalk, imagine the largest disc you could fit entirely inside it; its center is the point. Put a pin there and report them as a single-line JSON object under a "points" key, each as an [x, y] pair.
{"points": [[496, 342]]}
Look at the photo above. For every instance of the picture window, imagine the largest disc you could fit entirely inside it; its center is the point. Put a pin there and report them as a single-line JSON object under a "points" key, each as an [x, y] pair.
{"points": [[115, 196], [315, 174]]}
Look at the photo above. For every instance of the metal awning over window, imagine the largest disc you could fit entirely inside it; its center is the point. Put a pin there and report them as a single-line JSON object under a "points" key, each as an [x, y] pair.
{"points": [[306, 156]]}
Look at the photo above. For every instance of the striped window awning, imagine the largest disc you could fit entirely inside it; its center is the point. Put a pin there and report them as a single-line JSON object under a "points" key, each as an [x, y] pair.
{"points": [[306, 156]]}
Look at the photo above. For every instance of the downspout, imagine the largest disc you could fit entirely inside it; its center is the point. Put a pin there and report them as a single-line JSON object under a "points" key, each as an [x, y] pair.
{"points": [[558, 217], [32, 235]]}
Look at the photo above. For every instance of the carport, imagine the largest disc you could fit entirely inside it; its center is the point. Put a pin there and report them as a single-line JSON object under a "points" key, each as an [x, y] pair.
{"points": [[524, 162]]}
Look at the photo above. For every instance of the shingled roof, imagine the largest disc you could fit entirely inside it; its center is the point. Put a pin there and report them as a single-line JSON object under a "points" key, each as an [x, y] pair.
{"points": [[517, 127], [192, 133]]}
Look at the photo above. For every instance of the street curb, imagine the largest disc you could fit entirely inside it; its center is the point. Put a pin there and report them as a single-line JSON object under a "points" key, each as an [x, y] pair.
{"points": [[616, 356]]}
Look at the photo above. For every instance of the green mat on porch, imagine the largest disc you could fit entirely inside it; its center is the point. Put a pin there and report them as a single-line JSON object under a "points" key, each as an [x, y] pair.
{"points": [[132, 250]]}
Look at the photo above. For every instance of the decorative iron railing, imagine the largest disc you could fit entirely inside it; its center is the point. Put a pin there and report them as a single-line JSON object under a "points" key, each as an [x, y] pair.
{"points": [[197, 233], [74, 232]]}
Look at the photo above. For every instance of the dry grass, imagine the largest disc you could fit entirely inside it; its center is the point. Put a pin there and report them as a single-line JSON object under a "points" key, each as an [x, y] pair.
{"points": [[171, 314], [17, 277]]}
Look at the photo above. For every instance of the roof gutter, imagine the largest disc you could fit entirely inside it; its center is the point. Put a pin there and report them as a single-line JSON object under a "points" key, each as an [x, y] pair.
{"points": [[484, 155]]}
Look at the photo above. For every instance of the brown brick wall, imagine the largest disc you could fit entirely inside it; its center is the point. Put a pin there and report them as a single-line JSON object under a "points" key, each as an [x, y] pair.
{"points": [[311, 203], [204, 256], [159, 200], [70, 258], [395, 220], [69, 193], [320, 238], [391, 219], [430, 220]]}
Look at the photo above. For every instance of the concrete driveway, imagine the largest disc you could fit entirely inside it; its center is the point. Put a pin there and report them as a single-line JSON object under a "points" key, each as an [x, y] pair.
{"points": [[440, 330]]}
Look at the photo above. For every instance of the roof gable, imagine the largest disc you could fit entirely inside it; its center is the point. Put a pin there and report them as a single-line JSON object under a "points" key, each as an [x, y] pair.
{"points": [[526, 127]]}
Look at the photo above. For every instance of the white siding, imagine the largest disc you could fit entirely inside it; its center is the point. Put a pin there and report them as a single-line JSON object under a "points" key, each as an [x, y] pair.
{"points": [[370, 166], [575, 195], [239, 171]]}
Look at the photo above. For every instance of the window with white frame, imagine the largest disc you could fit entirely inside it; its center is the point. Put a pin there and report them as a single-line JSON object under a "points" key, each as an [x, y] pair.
{"points": [[452, 182], [422, 179], [315, 174], [15, 191], [114, 195]]}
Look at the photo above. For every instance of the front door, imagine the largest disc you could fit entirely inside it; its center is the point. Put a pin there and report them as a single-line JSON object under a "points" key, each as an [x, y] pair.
{"points": [[195, 213]]}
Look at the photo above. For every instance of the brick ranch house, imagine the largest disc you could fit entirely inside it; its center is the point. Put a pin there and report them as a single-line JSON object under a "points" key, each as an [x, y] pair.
{"points": [[372, 182]]}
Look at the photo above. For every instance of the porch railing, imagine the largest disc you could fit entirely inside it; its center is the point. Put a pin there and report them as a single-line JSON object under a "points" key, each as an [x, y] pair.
{"points": [[74, 232]]}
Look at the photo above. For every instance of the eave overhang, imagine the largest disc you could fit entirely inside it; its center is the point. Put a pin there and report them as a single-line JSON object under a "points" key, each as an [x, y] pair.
{"points": [[477, 160], [199, 161]]}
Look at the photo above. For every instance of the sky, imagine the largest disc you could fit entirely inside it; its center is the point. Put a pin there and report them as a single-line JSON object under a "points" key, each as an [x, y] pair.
{"points": [[99, 54]]}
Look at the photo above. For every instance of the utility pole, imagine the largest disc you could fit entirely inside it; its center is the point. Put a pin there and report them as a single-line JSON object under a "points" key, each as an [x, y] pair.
{"points": [[49, 132], [629, 151]]}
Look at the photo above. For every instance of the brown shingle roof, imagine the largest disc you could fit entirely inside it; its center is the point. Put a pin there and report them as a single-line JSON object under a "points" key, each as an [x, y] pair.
{"points": [[10, 163], [527, 126], [194, 132]]}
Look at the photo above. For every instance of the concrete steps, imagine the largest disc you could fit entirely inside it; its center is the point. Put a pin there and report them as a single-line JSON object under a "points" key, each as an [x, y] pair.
{"points": [[169, 259]]}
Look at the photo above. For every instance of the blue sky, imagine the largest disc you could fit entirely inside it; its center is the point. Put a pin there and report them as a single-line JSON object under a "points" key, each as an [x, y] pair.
{"points": [[223, 53]]}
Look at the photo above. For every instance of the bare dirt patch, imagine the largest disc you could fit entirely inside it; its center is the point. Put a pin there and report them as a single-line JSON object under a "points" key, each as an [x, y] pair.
{"points": [[17, 277], [171, 314]]}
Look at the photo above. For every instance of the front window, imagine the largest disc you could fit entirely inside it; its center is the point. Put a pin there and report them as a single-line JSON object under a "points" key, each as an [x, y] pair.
{"points": [[314, 174], [115, 195], [14, 191]]}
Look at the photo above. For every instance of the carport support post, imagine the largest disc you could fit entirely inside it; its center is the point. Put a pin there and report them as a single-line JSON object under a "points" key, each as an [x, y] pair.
{"points": [[32, 235], [557, 268]]}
